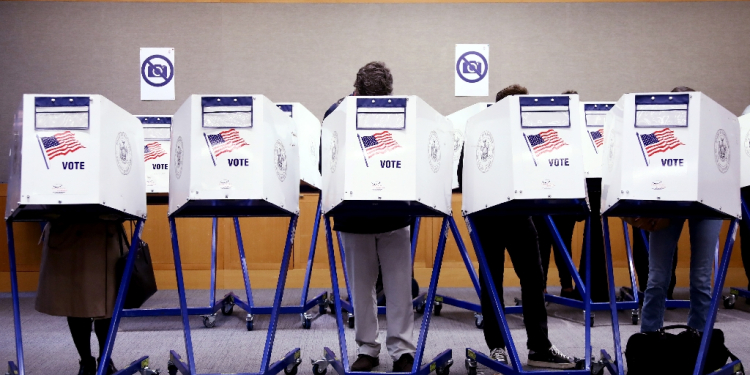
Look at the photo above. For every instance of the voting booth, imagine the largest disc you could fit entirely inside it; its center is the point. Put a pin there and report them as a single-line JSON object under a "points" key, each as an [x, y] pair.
{"points": [[75, 157], [592, 118], [459, 119], [745, 153], [308, 132], [156, 134], [386, 156], [237, 153], [673, 155], [524, 153], [233, 156], [676, 151]]}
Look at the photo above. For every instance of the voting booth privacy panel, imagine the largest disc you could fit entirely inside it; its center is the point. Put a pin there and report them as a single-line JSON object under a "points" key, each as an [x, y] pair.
{"points": [[157, 132], [679, 151], [521, 150], [77, 154], [234, 154], [308, 132], [745, 154], [592, 124], [389, 152], [458, 119]]}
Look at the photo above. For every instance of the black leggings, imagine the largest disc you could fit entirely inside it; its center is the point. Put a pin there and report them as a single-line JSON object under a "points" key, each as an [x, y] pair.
{"points": [[80, 329]]}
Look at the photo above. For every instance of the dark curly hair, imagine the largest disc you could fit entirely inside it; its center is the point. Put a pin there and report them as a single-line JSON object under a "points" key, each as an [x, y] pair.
{"points": [[570, 92], [374, 79], [515, 89], [682, 89]]}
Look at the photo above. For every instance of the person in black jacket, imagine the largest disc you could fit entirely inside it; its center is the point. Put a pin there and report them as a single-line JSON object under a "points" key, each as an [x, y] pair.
{"points": [[379, 243], [518, 235]]}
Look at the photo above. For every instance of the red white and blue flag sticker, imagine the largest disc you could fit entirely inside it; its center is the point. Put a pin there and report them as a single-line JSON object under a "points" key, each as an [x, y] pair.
{"points": [[659, 141], [546, 141], [598, 137], [378, 143], [60, 144], [152, 151], [226, 141]]}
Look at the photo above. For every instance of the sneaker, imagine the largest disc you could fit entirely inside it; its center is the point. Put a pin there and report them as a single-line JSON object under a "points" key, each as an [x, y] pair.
{"points": [[552, 358], [365, 363], [403, 363], [87, 366], [500, 355]]}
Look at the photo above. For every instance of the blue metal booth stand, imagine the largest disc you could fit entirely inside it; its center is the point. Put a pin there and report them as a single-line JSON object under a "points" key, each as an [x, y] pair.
{"points": [[731, 299]]}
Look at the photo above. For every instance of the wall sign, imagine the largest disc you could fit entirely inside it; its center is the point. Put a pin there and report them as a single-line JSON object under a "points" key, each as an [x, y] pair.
{"points": [[472, 67], [157, 73]]}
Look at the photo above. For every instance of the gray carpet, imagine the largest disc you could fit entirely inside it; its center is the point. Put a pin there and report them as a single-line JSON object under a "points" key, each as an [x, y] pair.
{"points": [[230, 348]]}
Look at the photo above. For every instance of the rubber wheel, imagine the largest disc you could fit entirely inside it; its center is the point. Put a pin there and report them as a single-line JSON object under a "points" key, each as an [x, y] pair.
{"points": [[293, 371], [479, 323], [634, 319], [591, 323], [437, 309], [472, 371], [351, 322], [420, 308], [729, 302], [249, 325], [306, 324], [172, 369], [208, 323], [318, 371], [322, 309], [227, 308], [443, 371]]}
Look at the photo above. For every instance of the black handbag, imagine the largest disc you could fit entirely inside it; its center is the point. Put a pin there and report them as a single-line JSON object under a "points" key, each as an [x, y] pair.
{"points": [[142, 280], [662, 352]]}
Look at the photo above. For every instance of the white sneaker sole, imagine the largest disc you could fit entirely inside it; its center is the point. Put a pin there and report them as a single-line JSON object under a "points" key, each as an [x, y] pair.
{"points": [[560, 366]]}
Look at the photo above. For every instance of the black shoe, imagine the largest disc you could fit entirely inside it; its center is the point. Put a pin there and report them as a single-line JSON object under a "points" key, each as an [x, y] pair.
{"points": [[111, 369], [365, 363], [88, 366], [552, 358], [403, 363]]}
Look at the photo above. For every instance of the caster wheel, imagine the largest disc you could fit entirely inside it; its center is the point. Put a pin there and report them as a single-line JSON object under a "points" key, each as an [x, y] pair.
{"points": [[420, 308], [317, 370], [591, 323], [471, 366], [634, 317], [518, 301], [306, 323], [322, 309], [443, 370], [171, 369], [291, 371], [351, 321], [249, 325], [209, 321], [479, 321], [438, 307], [729, 302], [227, 307]]}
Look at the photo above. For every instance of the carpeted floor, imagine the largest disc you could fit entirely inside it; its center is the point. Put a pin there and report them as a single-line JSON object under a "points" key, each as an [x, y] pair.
{"points": [[230, 348]]}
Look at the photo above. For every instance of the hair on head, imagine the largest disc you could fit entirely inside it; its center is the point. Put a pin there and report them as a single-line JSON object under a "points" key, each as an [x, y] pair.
{"points": [[374, 79], [682, 89], [514, 89]]}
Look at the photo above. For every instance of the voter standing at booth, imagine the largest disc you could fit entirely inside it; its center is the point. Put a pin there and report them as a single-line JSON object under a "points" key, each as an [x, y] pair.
{"points": [[370, 242], [518, 235]]}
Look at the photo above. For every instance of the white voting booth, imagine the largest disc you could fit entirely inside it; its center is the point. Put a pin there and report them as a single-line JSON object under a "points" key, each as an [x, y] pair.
{"points": [[679, 151], [459, 119], [75, 154], [308, 132], [523, 149], [234, 153], [745, 154], [385, 151], [592, 126], [156, 133]]}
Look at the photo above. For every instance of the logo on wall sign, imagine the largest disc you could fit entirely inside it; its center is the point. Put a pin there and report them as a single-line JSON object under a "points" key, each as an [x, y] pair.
{"points": [[123, 153], [485, 153], [157, 70], [721, 151], [458, 142], [434, 149], [334, 151], [279, 158], [178, 155], [471, 67]]}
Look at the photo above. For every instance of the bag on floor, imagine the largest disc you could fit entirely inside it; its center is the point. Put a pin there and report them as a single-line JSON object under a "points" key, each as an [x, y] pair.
{"points": [[662, 352], [142, 280]]}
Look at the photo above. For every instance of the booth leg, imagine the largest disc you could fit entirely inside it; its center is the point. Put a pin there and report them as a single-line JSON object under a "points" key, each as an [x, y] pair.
{"points": [[212, 290], [566, 255], [340, 366], [311, 256], [120, 302], [587, 294], [464, 255], [618, 365], [189, 368], [415, 238], [631, 265], [20, 368], [348, 306]]}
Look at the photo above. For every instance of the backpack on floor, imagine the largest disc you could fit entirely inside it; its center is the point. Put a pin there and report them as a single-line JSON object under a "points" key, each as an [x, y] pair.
{"points": [[662, 352]]}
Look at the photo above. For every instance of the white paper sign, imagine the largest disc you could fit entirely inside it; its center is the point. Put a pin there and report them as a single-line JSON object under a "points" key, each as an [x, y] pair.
{"points": [[157, 73], [472, 68]]}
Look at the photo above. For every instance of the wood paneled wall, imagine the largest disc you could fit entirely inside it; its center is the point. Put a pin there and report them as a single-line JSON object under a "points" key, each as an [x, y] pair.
{"points": [[264, 243]]}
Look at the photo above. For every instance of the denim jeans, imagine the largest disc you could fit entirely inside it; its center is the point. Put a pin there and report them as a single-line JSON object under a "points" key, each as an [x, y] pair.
{"points": [[704, 237]]}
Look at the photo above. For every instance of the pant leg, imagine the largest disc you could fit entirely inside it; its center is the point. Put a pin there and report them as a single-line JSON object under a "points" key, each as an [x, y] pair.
{"points": [[545, 240], [640, 258], [704, 236], [662, 245], [524, 254], [565, 225], [394, 255], [362, 265], [491, 236], [598, 268], [673, 279]]}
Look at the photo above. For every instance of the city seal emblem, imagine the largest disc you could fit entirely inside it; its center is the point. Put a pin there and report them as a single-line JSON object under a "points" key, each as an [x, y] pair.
{"points": [[334, 151], [721, 151], [485, 153], [746, 143], [433, 148], [458, 142], [123, 153], [178, 157], [279, 159]]}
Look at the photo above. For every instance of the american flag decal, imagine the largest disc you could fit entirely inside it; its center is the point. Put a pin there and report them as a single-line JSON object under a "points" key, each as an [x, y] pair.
{"points": [[659, 141], [546, 141], [60, 144], [598, 137], [152, 151], [226, 141], [379, 143]]}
